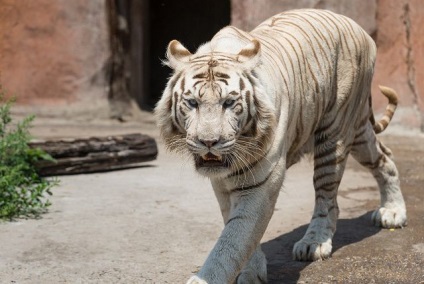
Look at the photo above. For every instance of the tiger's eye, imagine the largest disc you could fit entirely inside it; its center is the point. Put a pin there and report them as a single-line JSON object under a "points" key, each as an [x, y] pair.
{"points": [[192, 103], [228, 103]]}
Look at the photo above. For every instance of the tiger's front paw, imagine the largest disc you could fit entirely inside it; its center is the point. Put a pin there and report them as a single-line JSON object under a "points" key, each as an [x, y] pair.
{"points": [[196, 280], [390, 218], [307, 249]]}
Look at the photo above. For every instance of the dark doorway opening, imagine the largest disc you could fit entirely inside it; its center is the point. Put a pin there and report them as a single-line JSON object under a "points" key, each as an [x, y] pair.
{"points": [[192, 22]]}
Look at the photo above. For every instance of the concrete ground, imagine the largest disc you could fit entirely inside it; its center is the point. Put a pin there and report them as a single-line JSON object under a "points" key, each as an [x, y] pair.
{"points": [[157, 223]]}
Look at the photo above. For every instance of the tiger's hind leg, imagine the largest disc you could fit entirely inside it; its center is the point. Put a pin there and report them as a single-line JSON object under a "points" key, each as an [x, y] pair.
{"points": [[329, 164], [372, 154]]}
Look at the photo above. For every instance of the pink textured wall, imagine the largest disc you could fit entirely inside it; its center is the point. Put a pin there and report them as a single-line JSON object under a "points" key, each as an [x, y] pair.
{"points": [[247, 14], [400, 59], [52, 52]]}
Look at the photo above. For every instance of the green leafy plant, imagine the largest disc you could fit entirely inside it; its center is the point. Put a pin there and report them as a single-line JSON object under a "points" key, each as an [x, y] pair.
{"points": [[22, 191]]}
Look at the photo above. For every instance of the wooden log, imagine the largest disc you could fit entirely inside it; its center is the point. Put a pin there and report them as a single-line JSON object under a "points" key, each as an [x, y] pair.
{"points": [[95, 154]]}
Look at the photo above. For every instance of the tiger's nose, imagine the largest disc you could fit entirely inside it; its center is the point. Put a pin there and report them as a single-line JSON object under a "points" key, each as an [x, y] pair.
{"points": [[209, 143]]}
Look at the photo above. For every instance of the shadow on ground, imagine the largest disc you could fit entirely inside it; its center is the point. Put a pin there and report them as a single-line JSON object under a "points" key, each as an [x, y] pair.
{"points": [[283, 269]]}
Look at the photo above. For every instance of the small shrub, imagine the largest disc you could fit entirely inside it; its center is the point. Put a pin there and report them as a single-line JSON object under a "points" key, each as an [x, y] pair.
{"points": [[22, 190]]}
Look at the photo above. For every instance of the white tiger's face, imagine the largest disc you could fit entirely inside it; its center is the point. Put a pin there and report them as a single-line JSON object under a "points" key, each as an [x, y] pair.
{"points": [[213, 108], [213, 111]]}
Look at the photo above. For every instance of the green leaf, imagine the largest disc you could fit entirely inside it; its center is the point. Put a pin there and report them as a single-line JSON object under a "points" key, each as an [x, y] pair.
{"points": [[23, 193]]}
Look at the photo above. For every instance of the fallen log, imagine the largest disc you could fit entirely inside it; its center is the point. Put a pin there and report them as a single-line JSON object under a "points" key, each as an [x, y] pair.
{"points": [[95, 154]]}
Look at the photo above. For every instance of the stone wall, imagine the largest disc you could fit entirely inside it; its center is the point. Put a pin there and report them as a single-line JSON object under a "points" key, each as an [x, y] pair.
{"points": [[247, 14], [400, 58], [53, 52], [395, 25]]}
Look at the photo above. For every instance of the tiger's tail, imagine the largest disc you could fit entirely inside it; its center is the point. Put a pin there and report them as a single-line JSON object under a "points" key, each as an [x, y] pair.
{"points": [[382, 124]]}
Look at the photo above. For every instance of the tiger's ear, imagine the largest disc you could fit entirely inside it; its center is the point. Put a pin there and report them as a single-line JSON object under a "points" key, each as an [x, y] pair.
{"points": [[250, 54], [177, 54]]}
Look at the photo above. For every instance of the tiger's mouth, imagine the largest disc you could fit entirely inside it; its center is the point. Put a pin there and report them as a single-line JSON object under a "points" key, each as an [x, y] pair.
{"points": [[210, 160]]}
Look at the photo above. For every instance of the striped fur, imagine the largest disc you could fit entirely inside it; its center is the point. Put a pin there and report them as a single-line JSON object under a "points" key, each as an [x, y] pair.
{"points": [[389, 112], [246, 106]]}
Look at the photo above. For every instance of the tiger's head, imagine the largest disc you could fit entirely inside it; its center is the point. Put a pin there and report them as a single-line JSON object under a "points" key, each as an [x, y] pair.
{"points": [[215, 109]]}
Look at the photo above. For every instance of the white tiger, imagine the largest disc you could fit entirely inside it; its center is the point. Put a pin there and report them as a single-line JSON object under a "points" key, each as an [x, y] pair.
{"points": [[247, 106]]}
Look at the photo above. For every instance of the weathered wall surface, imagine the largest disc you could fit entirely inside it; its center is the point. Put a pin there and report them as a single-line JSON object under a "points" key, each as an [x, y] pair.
{"points": [[396, 26], [400, 59], [247, 14], [53, 52]]}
